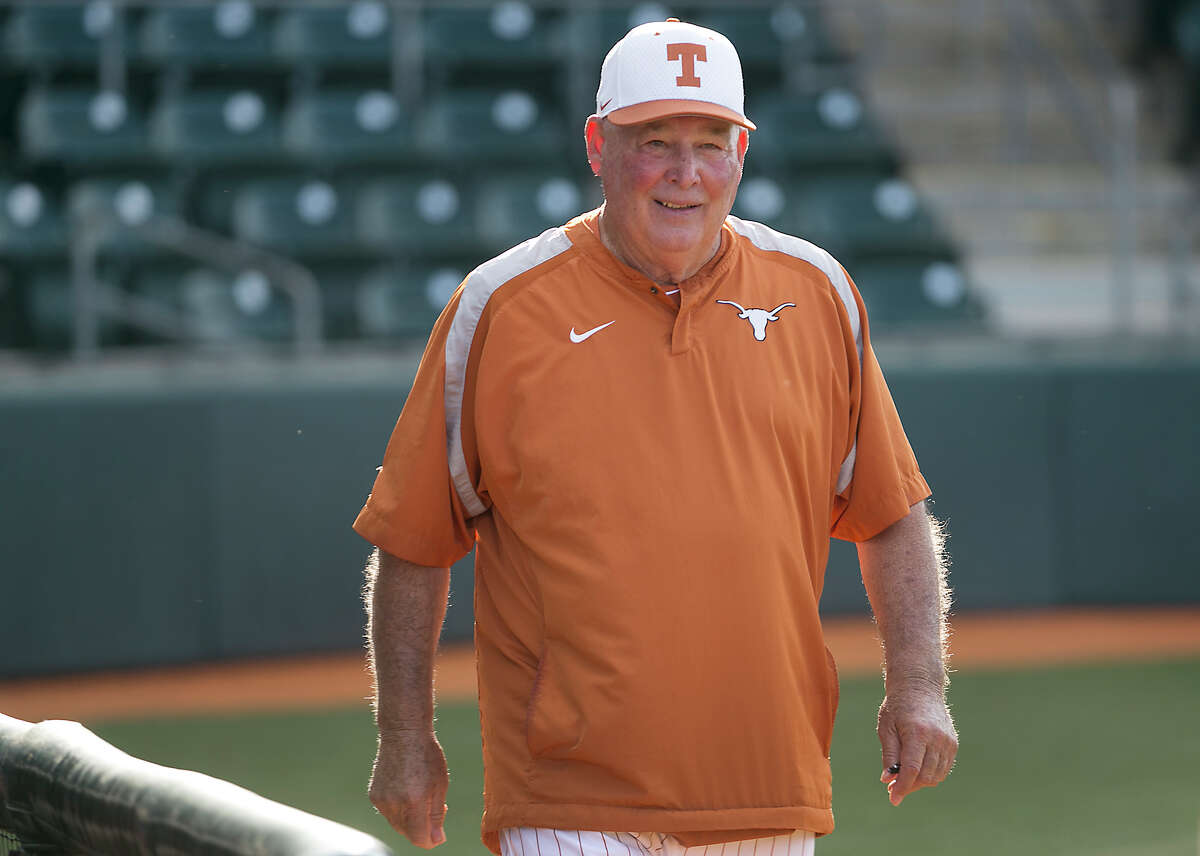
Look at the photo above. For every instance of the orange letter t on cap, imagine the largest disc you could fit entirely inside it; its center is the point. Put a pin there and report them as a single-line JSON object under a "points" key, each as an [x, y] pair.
{"points": [[688, 53]]}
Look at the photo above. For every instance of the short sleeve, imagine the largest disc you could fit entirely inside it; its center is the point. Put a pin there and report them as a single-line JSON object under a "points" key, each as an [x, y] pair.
{"points": [[885, 481], [415, 511]]}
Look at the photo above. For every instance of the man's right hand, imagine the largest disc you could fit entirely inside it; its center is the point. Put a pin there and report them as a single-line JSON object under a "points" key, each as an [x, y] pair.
{"points": [[408, 785]]}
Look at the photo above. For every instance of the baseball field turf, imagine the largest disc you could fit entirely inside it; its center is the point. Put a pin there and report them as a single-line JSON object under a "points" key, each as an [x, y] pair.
{"points": [[1089, 760]]}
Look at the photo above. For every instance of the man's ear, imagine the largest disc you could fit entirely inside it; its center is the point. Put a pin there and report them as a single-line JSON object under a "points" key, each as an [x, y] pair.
{"points": [[743, 143], [593, 132]]}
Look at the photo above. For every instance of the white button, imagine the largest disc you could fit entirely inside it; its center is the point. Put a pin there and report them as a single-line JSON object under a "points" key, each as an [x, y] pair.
{"points": [[839, 108], [376, 111], [243, 112], [98, 18], [251, 291], [107, 111], [558, 199], [514, 111], [895, 199], [944, 284], [788, 22], [366, 19], [134, 203], [440, 287], [437, 202], [233, 18], [512, 20], [316, 203], [761, 198], [24, 204]]}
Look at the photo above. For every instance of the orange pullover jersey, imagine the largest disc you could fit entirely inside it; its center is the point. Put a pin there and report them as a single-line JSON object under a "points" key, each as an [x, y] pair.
{"points": [[652, 489]]}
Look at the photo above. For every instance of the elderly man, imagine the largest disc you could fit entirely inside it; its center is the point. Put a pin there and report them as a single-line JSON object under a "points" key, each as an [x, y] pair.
{"points": [[650, 421]]}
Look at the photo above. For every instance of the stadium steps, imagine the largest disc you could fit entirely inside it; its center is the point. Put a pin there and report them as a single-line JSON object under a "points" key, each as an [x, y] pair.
{"points": [[1032, 206]]}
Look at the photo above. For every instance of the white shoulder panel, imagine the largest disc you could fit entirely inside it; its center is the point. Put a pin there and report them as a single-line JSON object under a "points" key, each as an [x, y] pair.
{"points": [[478, 289], [766, 238]]}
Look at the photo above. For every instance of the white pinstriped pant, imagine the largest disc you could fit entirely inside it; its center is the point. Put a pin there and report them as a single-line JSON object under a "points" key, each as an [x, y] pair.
{"points": [[527, 841]]}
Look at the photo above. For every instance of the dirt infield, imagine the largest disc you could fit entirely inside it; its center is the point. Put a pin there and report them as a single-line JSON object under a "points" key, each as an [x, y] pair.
{"points": [[980, 640]]}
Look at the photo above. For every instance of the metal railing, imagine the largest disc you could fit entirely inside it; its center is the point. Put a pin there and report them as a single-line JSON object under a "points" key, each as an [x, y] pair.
{"points": [[94, 299], [1055, 60]]}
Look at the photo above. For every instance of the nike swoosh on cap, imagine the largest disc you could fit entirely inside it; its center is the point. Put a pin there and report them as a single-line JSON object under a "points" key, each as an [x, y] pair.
{"points": [[579, 337]]}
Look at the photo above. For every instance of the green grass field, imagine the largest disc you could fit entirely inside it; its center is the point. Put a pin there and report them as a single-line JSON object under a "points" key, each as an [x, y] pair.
{"points": [[1094, 761]]}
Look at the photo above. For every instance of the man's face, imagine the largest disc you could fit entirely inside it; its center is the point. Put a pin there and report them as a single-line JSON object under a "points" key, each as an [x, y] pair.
{"points": [[668, 186]]}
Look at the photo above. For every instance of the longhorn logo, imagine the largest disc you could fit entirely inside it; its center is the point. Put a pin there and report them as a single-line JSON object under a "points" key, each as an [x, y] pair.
{"points": [[758, 318]]}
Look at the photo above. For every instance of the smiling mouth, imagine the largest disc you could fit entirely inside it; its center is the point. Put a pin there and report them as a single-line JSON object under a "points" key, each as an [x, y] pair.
{"points": [[676, 207]]}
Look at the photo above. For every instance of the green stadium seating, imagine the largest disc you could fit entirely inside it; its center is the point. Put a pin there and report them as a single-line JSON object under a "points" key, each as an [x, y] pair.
{"points": [[827, 129], [81, 128], [348, 126], [489, 125], [300, 216], [769, 36], [50, 302], [215, 127], [57, 35], [586, 34], [381, 182], [357, 33], [125, 201], [517, 207], [31, 223], [906, 292], [418, 214], [1185, 27], [506, 33], [230, 34], [220, 306], [397, 301], [853, 217]]}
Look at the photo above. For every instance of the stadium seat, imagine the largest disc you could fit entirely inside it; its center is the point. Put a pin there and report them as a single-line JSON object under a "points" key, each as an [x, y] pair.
{"points": [[1185, 28], [31, 223], [514, 208], [397, 301], [506, 33], [81, 128], [356, 33], [344, 126], [853, 217], [768, 36], [417, 215], [60, 35], [298, 216], [489, 125], [229, 34], [214, 127], [50, 310], [906, 292], [126, 202], [829, 129], [587, 33], [220, 306]]}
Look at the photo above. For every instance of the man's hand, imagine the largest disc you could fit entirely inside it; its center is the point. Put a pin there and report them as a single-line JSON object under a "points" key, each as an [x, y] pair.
{"points": [[408, 785], [916, 732]]}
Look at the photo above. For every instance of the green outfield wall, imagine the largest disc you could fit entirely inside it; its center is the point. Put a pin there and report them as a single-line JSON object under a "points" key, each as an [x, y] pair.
{"points": [[181, 520]]}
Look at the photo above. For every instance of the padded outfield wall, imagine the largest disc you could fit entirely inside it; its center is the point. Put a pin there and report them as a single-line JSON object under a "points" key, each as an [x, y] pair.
{"points": [[208, 517]]}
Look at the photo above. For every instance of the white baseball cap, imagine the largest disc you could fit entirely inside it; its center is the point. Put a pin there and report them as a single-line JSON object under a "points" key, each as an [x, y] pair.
{"points": [[670, 68]]}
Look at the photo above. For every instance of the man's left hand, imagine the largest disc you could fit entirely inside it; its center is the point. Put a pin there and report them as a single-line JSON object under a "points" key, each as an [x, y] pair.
{"points": [[916, 732]]}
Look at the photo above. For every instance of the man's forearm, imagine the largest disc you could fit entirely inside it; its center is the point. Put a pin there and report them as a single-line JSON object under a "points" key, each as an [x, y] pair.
{"points": [[406, 605], [904, 574]]}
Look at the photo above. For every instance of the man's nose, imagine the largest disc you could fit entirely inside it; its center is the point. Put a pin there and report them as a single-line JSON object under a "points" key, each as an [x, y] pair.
{"points": [[685, 168]]}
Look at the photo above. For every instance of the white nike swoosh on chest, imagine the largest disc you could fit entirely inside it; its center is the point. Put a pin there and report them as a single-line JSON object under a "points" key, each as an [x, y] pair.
{"points": [[579, 337]]}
